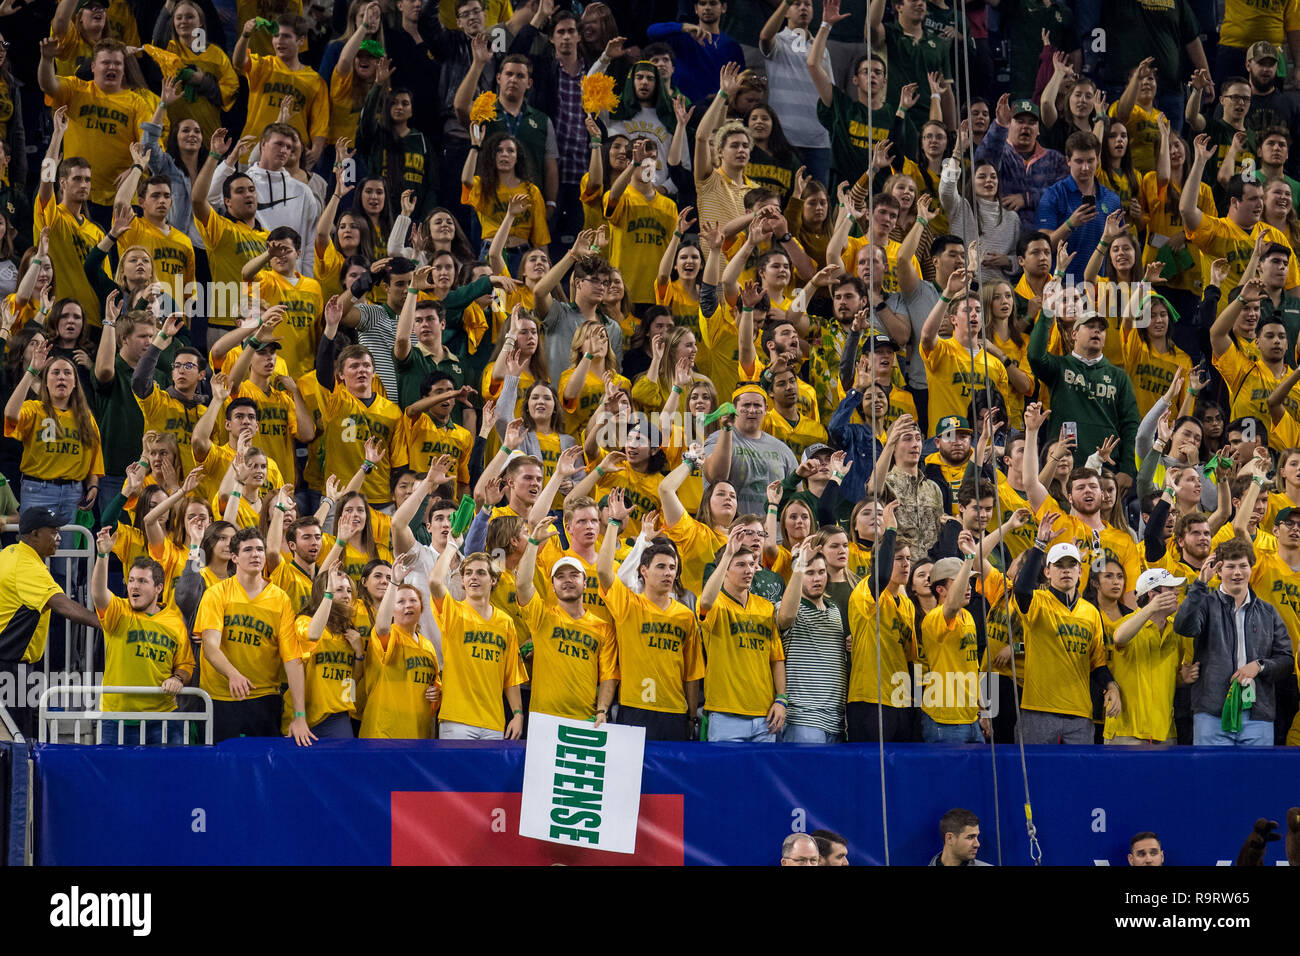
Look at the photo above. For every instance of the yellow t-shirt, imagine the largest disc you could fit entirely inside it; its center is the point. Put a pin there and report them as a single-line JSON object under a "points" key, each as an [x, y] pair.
{"points": [[684, 307], [1022, 539], [579, 411], [951, 668], [719, 354], [954, 377], [1162, 220], [172, 251], [143, 650], [398, 673], [803, 433], [897, 637], [328, 681], [71, 240], [25, 588], [742, 644], [299, 333], [427, 440], [548, 554], [1062, 648], [348, 422], [1246, 22], [257, 636], [1117, 545], [953, 476], [481, 659], [101, 128], [1274, 581], [54, 448], [529, 225], [639, 232], [1143, 136], [1152, 372], [1146, 669], [345, 111], [277, 426], [890, 282], [229, 244], [269, 82], [571, 656], [641, 492], [162, 413], [296, 585], [697, 544], [1250, 382], [1222, 238], [214, 62], [218, 461], [658, 650], [1004, 625]]}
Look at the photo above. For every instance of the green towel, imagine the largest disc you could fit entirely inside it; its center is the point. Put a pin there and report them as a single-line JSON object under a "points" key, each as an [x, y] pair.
{"points": [[726, 408], [463, 516], [1231, 721], [1176, 261]]}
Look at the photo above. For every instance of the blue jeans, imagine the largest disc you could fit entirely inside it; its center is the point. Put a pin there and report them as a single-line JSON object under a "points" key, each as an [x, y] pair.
{"points": [[1207, 731], [799, 734], [61, 499], [818, 162], [737, 728], [153, 733], [933, 732]]}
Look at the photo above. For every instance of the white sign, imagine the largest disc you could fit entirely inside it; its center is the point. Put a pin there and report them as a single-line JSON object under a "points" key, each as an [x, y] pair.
{"points": [[582, 783]]}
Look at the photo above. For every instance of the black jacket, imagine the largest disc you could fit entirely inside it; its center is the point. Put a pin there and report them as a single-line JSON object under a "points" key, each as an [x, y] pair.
{"points": [[1207, 617]]}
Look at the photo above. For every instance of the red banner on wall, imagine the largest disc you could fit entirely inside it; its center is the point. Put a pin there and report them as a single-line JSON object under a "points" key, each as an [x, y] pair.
{"points": [[443, 828]]}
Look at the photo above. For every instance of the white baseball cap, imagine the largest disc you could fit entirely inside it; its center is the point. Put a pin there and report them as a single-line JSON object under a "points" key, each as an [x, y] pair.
{"points": [[1063, 550], [1156, 578], [568, 562]]}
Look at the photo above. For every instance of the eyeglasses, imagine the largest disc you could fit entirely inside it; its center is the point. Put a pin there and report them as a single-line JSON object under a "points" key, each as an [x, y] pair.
{"points": [[186, 366], [598, 283]]}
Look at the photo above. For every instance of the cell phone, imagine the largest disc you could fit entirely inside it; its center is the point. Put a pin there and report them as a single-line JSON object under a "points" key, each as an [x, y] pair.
{"points": [[1089, 201], [1069, 430]]}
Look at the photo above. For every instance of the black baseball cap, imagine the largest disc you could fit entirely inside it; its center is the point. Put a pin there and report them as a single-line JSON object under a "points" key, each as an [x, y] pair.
{"points": [[34, 519]]}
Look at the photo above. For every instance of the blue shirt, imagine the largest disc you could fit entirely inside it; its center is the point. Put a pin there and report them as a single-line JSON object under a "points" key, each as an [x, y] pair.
{"points": [[698, 64], [1055, 206]]}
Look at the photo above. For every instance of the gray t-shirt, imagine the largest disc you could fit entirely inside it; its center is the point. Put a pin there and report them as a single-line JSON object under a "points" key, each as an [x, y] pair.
{"points": [[560, 323], [755, 463], [916, 306]]}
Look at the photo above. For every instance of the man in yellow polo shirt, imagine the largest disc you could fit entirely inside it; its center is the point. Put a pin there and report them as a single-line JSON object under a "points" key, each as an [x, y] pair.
{"points": [[247, 627], [27, 596], [746, 676]]}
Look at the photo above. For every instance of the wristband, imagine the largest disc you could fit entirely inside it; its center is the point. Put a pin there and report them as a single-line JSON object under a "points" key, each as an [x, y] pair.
{"points": [[837, 475], [923, 221], [1105, 243], [298, 713], [534, 542], [101, 554], [215, 155], [773, 508], [37, 261], [677, 390], [1257, 479], [109, 323], [412, 290], [727, 429], [329, 595], [725, 97], [473, 146], [589, 355], [782, 698], [164, 336], [282, 508], [325, 498], [32, 372], [236, 494], [944, 298], [600, 472], [677, 234], [1040, 544], [936, 96], [595, 142], [746, 308], [1069, 223], [518, 712], [367, 466], [616, 522], [137, 166], [602, 710]]}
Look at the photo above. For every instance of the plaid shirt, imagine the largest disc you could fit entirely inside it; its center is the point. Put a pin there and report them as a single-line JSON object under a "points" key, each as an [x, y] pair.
{"points": [[570, 129]]}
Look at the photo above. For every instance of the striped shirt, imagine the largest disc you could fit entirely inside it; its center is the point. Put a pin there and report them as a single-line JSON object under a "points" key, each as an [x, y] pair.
{"points": [[816, 667]]}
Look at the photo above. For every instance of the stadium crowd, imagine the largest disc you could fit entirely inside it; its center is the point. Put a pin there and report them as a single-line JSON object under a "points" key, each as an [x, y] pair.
{"points": [[741, 370]]}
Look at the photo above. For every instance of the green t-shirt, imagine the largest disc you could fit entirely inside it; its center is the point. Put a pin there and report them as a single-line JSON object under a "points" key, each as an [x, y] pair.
{"points": [[411, 372], [8, 503], [1030, 21], [852, 126], [118, 414], [1288, 308], [911, 61]]}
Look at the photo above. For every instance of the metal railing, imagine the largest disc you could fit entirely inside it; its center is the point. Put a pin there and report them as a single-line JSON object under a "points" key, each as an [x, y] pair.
{"points": [[10, 727], [49, 719]]}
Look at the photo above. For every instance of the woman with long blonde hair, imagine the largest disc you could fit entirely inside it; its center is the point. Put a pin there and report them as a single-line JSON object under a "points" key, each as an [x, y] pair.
{"points": [[592, 365]]}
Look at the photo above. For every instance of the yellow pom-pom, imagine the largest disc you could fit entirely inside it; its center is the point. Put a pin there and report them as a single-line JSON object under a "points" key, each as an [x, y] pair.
{"points": [[598, 94], [484, 109]]}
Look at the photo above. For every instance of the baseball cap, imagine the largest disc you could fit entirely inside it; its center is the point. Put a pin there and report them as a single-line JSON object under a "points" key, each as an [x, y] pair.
{"points": [[953, 423], [880, 340], [33, 519], [104, 3], [568, 562], [1285, 514], [1087, 316], [945, 569], [816, 449], [1024, 106], [1261, 50], [1062, 551], [1156, 578]]}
